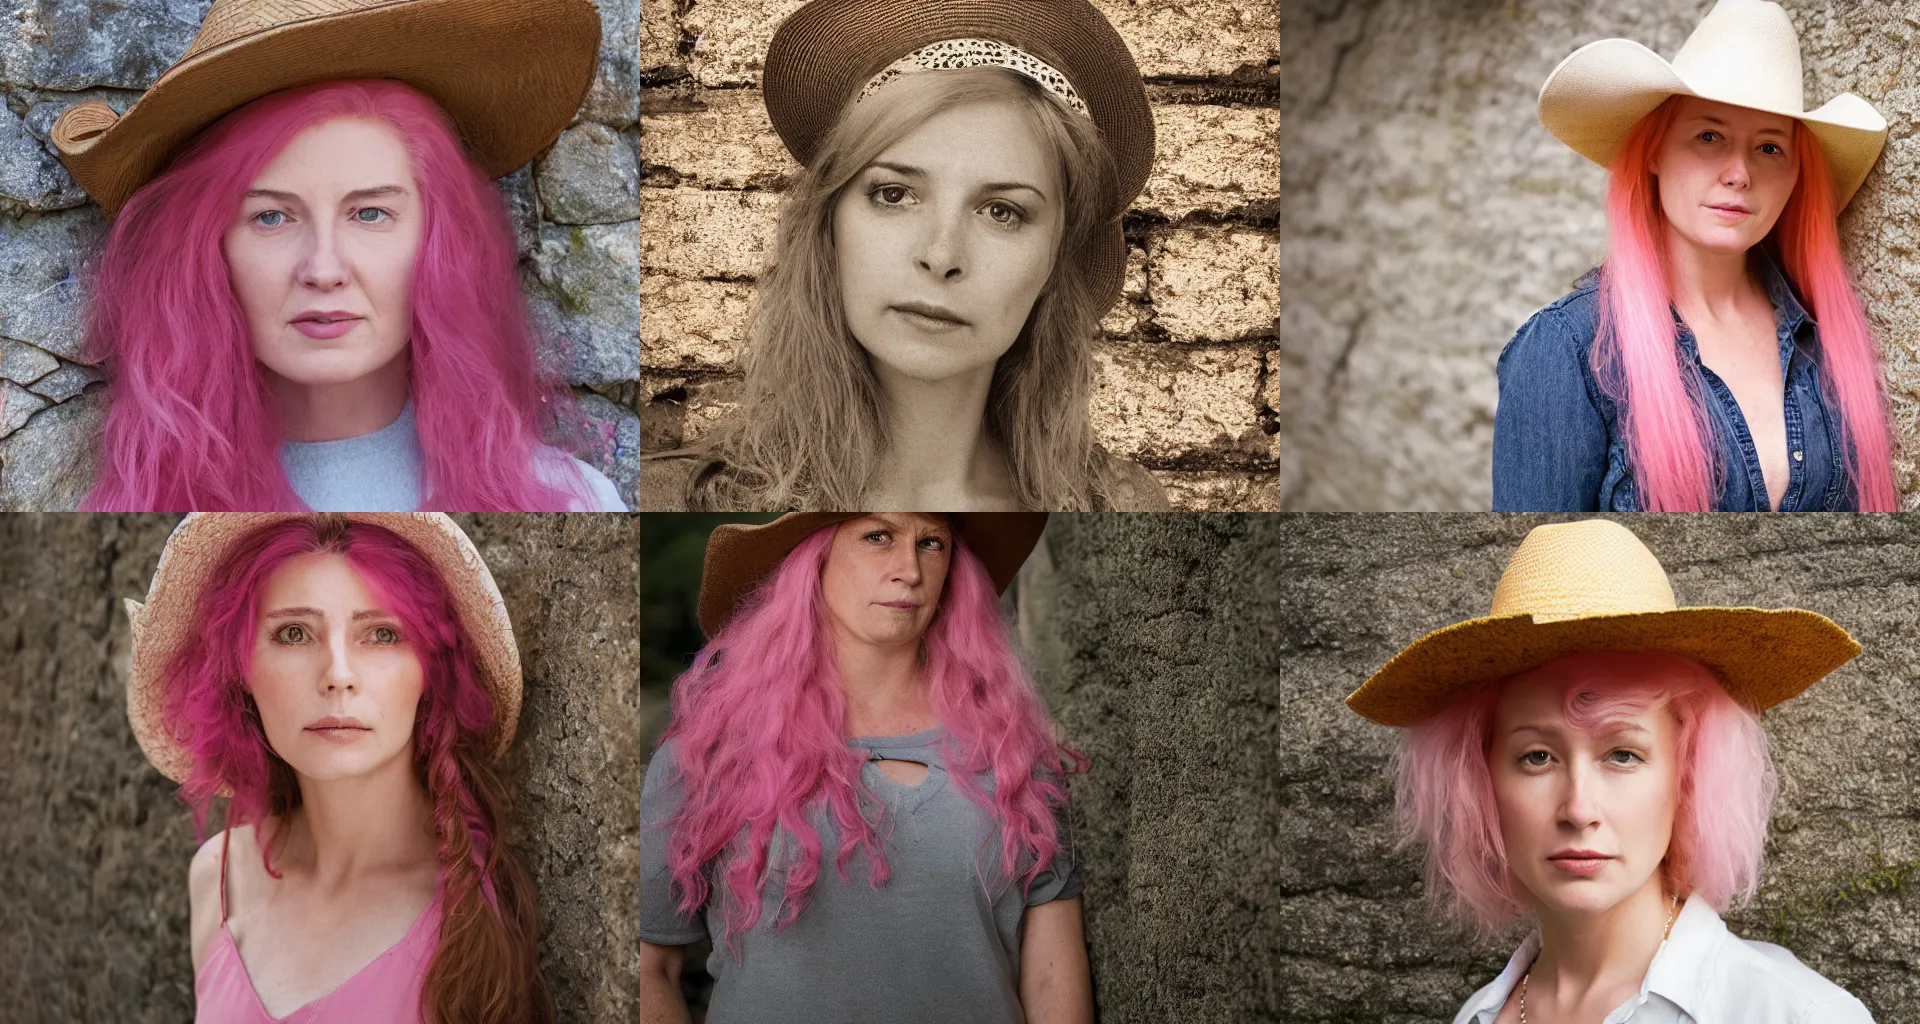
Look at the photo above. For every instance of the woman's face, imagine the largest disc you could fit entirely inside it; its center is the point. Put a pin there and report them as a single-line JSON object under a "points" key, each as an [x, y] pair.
{"points": [[1586, 817], [884, 575], [946, 239], [322, 255], [1725, 174], [335, 675]]}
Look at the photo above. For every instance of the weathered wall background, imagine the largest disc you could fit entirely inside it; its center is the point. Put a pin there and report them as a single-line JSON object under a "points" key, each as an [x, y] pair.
{"points": [[1186, 378], [575, 209], [1235, 827], [94, 843], [1428, 215]]}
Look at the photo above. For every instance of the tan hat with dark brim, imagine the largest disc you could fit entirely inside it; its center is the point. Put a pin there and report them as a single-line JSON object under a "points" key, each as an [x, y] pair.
{"points": [[199, 546], [1593, 586], [510, 73], [741, 555], [826, 52], [1743, 53]]}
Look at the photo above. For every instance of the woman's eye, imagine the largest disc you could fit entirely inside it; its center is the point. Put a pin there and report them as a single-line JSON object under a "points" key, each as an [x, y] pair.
{"points": [[875, 537], [1624, 757], [1709, 136], [1772, 149], [291, 633], [377, 215], [384, 635], [1005, 214], [890, 195], [933, 544], [1536, 758], [269, 218]]}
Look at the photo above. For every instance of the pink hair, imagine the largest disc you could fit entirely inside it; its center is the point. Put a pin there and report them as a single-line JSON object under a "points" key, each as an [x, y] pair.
{"points": [[1445, 795], [759, 724], [190, 423], [1669, 434]]}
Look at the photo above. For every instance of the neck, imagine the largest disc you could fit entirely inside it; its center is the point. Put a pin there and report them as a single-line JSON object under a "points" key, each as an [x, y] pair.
{"points": [[1582, 952], [347, 827], [1706, 281], [938, 453], [333, 412], [886, 689]]}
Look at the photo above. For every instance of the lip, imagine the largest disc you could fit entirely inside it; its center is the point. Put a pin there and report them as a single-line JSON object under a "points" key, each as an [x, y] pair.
{"points": [[1731, 211], [903, 606], [930, 317], [339, 727], [1579, 862], [325, 323]]}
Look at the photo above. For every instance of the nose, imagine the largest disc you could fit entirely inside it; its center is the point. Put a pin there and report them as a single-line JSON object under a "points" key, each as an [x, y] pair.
{"points": [[943, 248], [1578, 808], [904, 564], [322, 267], [340, 676], [1734, 175]]}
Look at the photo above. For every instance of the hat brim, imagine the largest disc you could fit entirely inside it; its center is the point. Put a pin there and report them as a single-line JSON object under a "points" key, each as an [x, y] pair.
{"points": [[166, 622], [510, 75], [1762, 656], [741, 555], [1600, 91], [826, 52]]}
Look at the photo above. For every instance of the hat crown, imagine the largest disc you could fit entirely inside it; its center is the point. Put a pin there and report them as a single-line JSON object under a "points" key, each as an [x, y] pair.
{"points": [[228, 20], [1575, 570], [1745, 52]]}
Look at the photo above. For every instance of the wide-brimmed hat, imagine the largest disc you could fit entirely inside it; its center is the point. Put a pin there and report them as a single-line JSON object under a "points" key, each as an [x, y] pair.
{"points": [[1592, 586], [198, 548], [1744, 53], [740, 555], [827, 54], [510, 73]]}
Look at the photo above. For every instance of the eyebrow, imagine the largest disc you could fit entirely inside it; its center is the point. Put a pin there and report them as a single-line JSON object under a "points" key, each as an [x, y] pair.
{"points": [[376, 192], [910, 171], [1712, 120], [315, 613]]}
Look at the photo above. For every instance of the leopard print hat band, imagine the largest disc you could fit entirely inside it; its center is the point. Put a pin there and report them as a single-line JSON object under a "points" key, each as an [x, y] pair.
{"points": [[973, 53]]}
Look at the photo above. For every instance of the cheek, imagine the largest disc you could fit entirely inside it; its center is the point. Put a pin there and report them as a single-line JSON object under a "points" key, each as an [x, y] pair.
{"points": [[258, 274]]}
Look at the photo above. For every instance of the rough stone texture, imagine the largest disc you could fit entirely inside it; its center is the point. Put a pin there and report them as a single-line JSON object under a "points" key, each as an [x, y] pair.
{"points": [[1428, 214], [576, 216], [94, 843], [1203, 265], [1236, 825]]}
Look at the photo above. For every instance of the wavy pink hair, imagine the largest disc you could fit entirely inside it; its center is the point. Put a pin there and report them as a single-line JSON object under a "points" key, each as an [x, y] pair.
{"points": [[759, 725], [1445, 801], [190, 423], [1669, 436]]}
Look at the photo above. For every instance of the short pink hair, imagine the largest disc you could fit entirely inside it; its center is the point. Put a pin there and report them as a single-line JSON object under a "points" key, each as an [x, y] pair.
{"points": [[1444, 793]]}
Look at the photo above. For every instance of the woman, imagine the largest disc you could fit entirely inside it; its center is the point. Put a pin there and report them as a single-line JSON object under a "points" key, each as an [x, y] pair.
{"points": [[312, 301], [345, 681], [1591, 755], [1719, 359], [860, 799], [923, 331]]}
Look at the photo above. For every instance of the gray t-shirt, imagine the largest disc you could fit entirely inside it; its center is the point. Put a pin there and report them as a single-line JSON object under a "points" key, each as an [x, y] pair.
{"points": [[930, 946]]}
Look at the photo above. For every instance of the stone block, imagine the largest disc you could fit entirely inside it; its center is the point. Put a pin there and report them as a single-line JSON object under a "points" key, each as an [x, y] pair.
{"points": [[615, 443], [46, 465], [589, 176], [24, 364], [692, 325], [614, 98], [1172, 406], [730, 38], [29, 174], [41, 296], [76, 44], [69, 380], [694, 233], [659, 37], [1212, 158], [583, 291], [17, 405], [1197, 38], [1215, 284], [1221, 491], [728, 143]]}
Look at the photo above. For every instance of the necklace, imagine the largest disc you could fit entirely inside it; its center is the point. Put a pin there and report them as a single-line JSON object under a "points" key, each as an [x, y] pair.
{"points": [[1673, 907]]}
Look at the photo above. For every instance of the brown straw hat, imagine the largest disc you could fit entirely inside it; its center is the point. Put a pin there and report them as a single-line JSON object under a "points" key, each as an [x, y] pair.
{"points": [[828, 51], [194, 553], [1592, 586], [740, 555], [510, 73]]}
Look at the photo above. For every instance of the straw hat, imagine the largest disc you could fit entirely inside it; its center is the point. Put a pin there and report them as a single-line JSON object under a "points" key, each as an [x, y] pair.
{"points": [[1744, 52], [202, 541], [829, 53], [1592, 586], [740, 555], [510, 73]]}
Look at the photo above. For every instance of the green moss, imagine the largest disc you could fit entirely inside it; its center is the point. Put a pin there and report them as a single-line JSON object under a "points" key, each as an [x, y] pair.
{"points": [[1883, 879]]}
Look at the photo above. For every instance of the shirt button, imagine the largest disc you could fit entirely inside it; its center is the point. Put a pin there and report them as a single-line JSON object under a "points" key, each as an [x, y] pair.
{"points": [[1796, 457]]}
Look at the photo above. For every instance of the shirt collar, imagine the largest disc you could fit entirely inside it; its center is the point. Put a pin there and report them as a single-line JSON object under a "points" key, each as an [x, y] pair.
{"points": [[1789, 316]]}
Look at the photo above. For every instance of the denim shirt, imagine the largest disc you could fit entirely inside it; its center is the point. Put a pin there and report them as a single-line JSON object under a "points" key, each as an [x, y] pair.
{"points": [[1558, 444]]}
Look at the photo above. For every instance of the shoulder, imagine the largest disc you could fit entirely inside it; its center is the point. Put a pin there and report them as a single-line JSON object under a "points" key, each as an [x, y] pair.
{"points": [[551, 465], [1568, 323], [1764, 982], [663, 482], [1127, 487], [204, 877]]}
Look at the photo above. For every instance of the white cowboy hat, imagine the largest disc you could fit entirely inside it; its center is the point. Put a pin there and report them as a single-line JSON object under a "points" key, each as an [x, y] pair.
{"points": [[1744, 52]]}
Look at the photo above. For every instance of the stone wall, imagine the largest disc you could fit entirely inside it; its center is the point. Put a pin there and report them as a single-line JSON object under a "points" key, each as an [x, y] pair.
{"points": [[575, 209], [1235, 827], [1186, 365], [94, 843], [1428, 215]]}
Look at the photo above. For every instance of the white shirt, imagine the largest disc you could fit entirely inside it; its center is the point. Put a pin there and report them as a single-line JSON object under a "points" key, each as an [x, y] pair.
{"points": [[1701, 974]]}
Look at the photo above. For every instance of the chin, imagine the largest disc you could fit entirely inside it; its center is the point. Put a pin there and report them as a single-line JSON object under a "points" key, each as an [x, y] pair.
{"points": [[929, 363]]}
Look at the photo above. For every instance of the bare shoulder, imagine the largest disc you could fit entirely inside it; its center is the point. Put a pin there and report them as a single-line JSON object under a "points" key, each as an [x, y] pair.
{"points": [[1129, 487], [204, 876]]}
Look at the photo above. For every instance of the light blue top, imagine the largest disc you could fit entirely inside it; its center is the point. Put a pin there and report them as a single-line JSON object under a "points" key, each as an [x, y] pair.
{"points": [[381, 472]]}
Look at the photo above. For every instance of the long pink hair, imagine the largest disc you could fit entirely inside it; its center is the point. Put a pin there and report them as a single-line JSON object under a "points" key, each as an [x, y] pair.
{"points": [[1669, 434], [487, 963], [759, 725], [190, 423], [1445, 798]]}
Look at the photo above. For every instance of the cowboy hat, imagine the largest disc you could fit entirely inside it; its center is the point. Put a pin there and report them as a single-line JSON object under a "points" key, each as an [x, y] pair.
{"points": [[196, 552], [740, 555], [510, 73], [1743, 53], [828, 54], [1592, 586]]}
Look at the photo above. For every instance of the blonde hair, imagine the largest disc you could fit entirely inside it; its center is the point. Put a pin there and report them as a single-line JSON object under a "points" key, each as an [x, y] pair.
{"points": [[808, 433]]}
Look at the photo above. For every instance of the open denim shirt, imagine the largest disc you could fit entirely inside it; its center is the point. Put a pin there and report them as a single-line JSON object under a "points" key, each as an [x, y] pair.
{"points": [[1558, 444]]}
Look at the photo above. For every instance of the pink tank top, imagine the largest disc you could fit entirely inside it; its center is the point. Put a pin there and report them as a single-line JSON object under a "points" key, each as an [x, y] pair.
{"points": [[386, 991]]}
